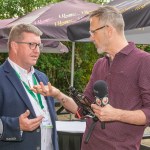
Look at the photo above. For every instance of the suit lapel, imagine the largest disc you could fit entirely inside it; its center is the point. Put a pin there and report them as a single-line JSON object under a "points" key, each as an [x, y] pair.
{"points": [[11, 75], [49, 100]]}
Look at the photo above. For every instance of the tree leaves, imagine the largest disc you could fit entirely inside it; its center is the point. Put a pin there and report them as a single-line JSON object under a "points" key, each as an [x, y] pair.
{"points": [[56, 66], [17, 8]]}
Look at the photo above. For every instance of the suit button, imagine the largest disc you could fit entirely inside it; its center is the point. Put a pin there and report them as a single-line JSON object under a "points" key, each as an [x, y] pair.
{"points": [[38, 130], [38, 148]]}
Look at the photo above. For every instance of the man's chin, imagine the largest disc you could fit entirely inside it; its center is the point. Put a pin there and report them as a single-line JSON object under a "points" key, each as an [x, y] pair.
{"points": [[100, 51], [33, 63]]}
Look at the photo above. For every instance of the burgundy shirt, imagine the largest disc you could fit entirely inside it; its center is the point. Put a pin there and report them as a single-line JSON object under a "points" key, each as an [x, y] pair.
{"points": [[128, 80]]}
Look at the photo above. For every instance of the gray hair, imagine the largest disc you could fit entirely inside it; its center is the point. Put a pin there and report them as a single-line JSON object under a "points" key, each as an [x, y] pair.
{"points": [[109, 14], [17, 31]]}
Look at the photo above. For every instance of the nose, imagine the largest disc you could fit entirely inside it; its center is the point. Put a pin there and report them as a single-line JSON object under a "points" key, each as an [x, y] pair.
{"points": [[91, 38], [37, 49]]}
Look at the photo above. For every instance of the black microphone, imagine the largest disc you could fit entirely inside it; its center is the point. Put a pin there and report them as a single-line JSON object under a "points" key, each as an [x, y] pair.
{"points": [[100, 90]]}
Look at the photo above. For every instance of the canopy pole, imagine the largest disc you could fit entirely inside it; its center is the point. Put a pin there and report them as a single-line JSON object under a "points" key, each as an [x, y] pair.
{"points": [[72, 64], [72, 68]]}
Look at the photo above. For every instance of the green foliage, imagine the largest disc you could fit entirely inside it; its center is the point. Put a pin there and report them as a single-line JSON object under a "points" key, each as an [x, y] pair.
{"points": [[100, 1], [3, 57], [85, 57], [15, 8], [144, 47], [58, 66]]}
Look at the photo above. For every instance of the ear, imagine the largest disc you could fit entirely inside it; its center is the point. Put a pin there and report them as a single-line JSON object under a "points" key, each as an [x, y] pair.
{"points": [[13, 46], [110, 31]]}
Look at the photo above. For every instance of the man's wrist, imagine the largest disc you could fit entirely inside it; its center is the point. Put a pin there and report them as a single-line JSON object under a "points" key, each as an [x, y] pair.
{"points": [[57, 95], [62, 97]]}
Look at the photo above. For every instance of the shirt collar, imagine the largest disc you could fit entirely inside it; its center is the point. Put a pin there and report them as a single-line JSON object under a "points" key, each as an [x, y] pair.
{"points": [[127, 49], [20, 70]]}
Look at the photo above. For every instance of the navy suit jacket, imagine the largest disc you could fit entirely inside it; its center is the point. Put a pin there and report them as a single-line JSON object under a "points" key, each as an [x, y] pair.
{"points": [[13, 102]]}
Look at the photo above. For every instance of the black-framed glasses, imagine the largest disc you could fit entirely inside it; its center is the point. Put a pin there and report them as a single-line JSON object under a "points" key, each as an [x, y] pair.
{"points": [[93, 31], [32, 45]]}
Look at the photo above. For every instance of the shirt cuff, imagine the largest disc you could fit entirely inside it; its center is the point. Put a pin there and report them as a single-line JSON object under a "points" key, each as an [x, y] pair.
{"points": [[1, 127]]}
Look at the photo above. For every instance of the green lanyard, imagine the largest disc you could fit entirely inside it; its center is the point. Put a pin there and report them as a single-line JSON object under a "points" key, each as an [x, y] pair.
{"points": [[38, 98]]}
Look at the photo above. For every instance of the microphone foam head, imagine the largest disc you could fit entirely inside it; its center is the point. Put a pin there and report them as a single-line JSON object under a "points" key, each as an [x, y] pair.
{"points": [[100, 89]]}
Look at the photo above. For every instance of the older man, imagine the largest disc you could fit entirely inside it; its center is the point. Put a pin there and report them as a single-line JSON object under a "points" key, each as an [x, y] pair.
{"points": [[126, 70]]}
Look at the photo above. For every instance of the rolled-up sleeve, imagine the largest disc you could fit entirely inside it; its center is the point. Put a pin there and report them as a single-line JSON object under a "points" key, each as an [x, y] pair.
{"points": [[144, 84]]}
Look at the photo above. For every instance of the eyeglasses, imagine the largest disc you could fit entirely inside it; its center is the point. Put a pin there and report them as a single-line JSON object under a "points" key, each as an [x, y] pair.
{"points": [[32, 45], [93, 31]]}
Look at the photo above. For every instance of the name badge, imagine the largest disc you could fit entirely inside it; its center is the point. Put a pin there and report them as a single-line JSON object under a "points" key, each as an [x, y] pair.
{"points": [[46, 122]]}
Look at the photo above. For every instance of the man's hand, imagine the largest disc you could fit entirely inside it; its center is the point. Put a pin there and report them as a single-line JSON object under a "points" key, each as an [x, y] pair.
{"points": [[27, 124], [47, 90], [106, 113]]}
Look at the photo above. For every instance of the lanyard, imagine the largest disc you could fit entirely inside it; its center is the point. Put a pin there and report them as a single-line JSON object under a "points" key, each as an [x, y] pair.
{"points": [[38, 98]]}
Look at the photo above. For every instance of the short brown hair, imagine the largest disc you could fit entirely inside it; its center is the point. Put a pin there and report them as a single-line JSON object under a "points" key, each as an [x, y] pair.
{"points": [[16, 32], [109, 14]]}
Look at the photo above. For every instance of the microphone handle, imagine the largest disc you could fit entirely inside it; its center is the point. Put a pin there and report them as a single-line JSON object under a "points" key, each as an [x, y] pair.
{"points": [[104, 102]]}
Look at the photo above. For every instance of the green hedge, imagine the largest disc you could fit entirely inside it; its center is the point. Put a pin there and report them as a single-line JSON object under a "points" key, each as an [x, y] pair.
{"points": [[58, 66]]}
